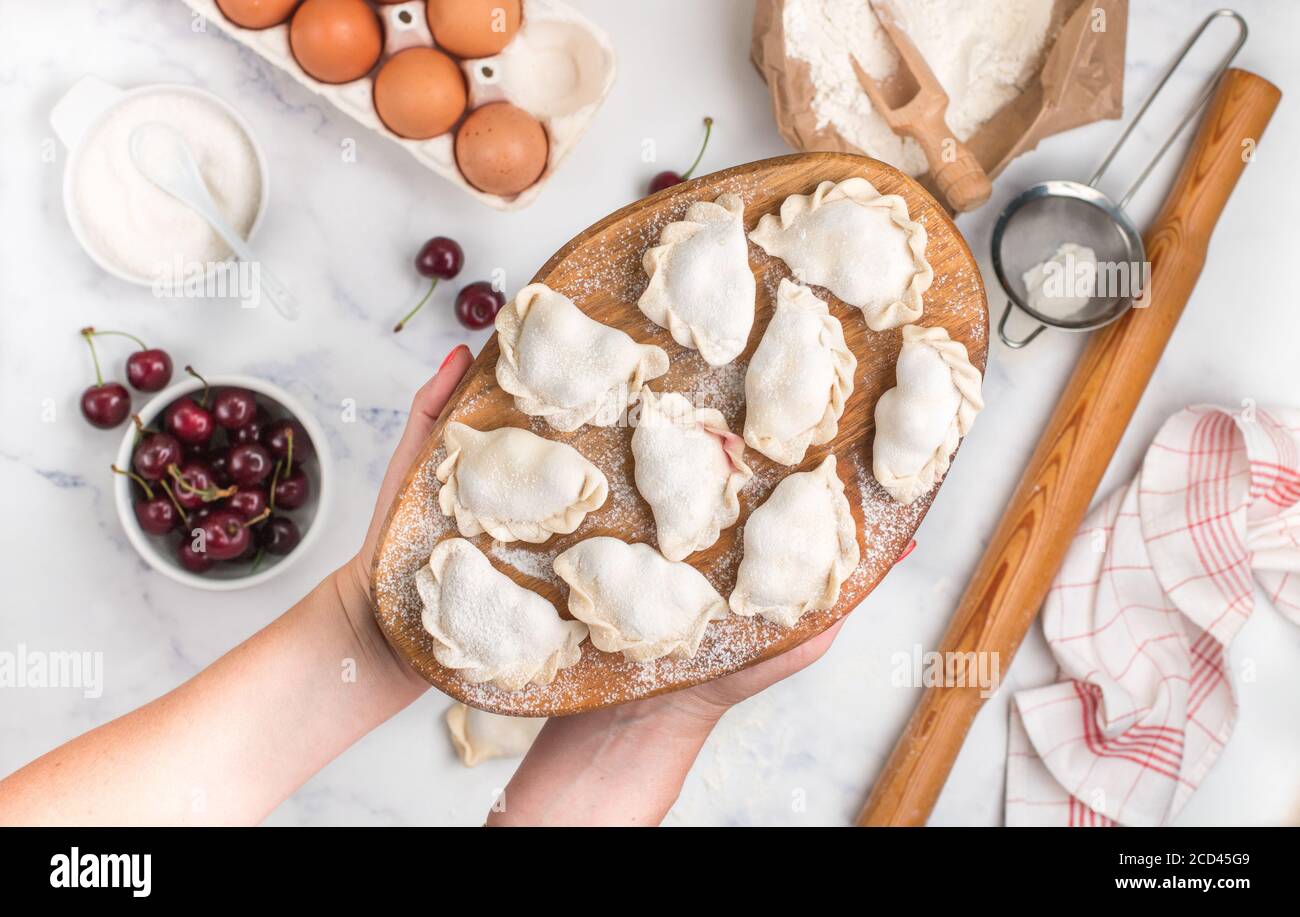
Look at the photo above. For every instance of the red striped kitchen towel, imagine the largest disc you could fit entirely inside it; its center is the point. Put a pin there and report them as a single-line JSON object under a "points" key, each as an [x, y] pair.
{"points": [[1155, 586]]}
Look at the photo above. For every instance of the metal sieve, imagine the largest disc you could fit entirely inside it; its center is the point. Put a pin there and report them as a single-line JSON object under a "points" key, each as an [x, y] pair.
{"points": [[1044, 216]]}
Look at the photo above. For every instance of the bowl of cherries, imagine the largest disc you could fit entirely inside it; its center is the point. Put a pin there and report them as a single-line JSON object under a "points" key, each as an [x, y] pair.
{"points": [[219, 482]]}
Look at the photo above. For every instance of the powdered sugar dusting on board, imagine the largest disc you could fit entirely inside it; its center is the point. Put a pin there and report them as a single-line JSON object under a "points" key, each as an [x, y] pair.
{"points": [[604, 277]]}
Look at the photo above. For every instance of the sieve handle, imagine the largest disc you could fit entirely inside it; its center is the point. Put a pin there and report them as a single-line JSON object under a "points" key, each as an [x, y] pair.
{"points": [[1022, 558], [1015, 343]]}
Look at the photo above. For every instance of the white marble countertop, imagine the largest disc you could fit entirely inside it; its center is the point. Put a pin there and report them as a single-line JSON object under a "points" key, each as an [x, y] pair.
{"points": [[342, 234]]}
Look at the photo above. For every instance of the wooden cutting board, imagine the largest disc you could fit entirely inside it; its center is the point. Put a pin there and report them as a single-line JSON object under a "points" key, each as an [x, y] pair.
{"points": [[601, 271]]}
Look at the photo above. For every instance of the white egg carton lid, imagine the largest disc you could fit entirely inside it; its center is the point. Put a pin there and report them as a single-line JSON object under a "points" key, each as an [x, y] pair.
{"points": [[559, 68]]}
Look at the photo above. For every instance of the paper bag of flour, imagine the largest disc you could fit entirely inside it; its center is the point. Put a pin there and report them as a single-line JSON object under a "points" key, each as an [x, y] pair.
{"points": [[1080, 80]]}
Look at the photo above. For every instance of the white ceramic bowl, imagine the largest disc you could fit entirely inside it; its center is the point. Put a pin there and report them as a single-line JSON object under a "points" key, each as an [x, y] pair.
{"points": [[84, 107], [159, 551]]}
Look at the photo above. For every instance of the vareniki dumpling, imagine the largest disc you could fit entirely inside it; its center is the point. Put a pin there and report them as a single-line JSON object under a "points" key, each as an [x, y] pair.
{"points": [[515, 485], [480, 736], [800, 545], [690, 468], [799, 378], [858, 243], [566, 367], [488, 627], [701, 288], [920, 421], [635, 601]]}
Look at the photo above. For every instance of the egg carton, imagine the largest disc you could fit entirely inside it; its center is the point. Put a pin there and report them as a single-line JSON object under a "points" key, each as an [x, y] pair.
{"points": [[559, 68]]}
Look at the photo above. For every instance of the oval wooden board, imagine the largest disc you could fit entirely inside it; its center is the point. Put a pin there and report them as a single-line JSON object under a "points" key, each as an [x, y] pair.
{"points": [[601, 271]]}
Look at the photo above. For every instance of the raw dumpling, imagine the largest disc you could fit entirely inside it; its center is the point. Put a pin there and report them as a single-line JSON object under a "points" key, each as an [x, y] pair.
{"points": [[515, 485], [566, 367], [858, 243], [690, 468], [487, 626], [637, 602], [480, 736], [701, 288], [799, 378], [920, 421], [800, 545]]}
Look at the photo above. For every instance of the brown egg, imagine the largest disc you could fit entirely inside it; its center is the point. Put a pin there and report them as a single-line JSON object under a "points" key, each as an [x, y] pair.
{"points": [[256, 14], [501, 149], [419, 93], [473, 28], [335, 41]]}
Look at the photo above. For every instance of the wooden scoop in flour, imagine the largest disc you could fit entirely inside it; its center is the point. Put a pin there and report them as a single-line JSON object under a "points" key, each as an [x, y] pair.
{"points": [[914, 104]]}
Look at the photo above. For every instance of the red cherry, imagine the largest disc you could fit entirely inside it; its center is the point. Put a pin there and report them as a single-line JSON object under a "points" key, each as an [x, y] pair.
{"points": [[155, 453], [196, 485], [234, 407], [477, 305], [219, 461], [248, 464], [278, 535], [248, 503], [224, 535], [664, 180], [251, 432], [189, 421], [440, 258], [668, 179], [276, 440], [192, 560], [149, 370], [156, 516], [106, 405], [291, 490]]}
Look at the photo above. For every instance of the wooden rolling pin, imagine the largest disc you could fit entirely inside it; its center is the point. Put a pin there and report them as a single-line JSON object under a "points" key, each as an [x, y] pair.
{"points": [[1013, 577]]}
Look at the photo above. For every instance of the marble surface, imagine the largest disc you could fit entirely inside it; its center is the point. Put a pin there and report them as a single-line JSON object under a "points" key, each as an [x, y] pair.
{"points": [[342, 233]]}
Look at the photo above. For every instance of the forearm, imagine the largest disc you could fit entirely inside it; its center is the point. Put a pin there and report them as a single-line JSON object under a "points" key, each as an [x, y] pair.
{"points": [[230, 744], [620, 766]]}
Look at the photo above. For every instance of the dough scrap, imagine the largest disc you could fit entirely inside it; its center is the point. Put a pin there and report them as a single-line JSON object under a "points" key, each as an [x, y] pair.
{"points": [[480, 736]]}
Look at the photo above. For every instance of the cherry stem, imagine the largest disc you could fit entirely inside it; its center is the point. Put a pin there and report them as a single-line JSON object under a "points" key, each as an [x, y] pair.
{"points": [[288, 452], [208, 494], [95, 332], [263, 515], [418, 306], [89, 334], [203, 402], [148, 491], [257, 560], [176, 503], [275, 476], [708, 130]]}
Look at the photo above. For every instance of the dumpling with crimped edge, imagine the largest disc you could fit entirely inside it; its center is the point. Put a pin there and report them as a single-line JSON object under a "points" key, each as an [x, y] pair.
{"points": [[799, 378], [800, 546], [489, 628], [566, 367], [515, 485], [480, 736], [636, 601], [920, 421], [701, 287], [860, 244], [690, 468]]}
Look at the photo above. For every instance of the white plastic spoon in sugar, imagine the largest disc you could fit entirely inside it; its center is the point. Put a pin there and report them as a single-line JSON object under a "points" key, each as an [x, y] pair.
{"points": [[162, 156]]}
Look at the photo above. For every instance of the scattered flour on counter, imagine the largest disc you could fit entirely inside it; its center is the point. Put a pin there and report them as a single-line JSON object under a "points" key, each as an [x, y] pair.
{"points": [[984, 53]]}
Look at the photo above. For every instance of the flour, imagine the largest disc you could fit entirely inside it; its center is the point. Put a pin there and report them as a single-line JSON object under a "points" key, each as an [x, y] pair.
{"points": [[983, 52], [1064, 283], [136, 225]]}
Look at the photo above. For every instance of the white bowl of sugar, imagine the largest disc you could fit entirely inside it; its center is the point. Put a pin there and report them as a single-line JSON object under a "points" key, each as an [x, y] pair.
{"points": [[128, 226]]}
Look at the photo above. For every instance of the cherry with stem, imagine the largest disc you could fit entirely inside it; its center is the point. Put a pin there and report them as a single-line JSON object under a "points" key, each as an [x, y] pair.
{"points": [[149, 369], [440, 258], [668, 179], [104, 404]]}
